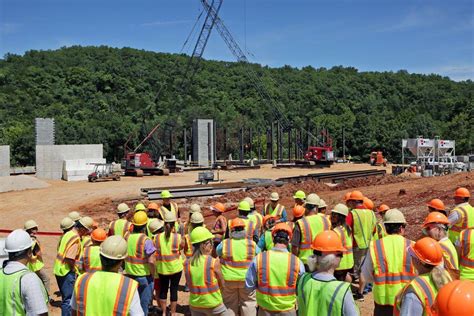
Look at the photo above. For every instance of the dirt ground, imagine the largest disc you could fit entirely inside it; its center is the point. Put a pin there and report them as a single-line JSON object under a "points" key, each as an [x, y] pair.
{"points": [[49, 205]]}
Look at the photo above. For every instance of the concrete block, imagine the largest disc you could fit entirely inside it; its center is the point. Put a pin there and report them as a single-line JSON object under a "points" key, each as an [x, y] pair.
{"points": [[203, 142], [4, 161], [79, 169]]}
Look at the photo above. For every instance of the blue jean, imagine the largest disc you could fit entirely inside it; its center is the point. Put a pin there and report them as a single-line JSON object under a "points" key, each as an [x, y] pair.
{"points": [[66, 287], [145, 290]]}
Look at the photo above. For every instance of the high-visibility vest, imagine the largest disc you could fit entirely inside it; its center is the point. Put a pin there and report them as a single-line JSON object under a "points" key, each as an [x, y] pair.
{"points": [[268, 240], [364, 223], [426, 291], [347, 261], [277, 211], [11, 302], [188, 251], [237, 255], [119, 227], [380, 231], [168, 255], [67, 240], [257, 219], [90, 259], [466, 214], [393, 267], [136, 262], [277, 273], [173, 207], [104, 293], [148, 232], [321, 298], [35, 263], [202, 282], [450, 255], [250, 227], [310, 226], [466, 260]]}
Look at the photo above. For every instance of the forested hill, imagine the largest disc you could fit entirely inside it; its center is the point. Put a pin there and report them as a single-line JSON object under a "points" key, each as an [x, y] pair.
{"points": [[102, 95]]}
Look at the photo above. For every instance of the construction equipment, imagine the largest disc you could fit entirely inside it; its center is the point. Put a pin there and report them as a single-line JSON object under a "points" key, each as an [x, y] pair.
{"points": [[322, 154], [103, 172], [377, 159], [138, 164]]}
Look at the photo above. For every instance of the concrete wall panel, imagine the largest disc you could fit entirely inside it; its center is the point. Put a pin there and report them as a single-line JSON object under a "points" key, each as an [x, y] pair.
{"points": [[4, 161], [203, 151]]}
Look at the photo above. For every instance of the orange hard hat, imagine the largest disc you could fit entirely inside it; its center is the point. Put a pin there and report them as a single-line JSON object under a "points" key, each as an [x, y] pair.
{"points": [[267, 217], [298, 211], [462, 193], [383, 208], [218, 207], [237, 222], [455, 298], [427, 250], [368, 204], [328, 241], [153, 206], [346, 196], [98, 234], [437, 204], [356, 196], [435, 218], [282, 227]]}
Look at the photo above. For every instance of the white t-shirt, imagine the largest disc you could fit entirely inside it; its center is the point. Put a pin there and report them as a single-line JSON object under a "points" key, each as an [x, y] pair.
{"points": [[31, 289]]}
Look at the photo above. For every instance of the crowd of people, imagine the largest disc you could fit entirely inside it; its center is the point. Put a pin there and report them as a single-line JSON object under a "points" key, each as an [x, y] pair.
{"points": [[314, 260]]}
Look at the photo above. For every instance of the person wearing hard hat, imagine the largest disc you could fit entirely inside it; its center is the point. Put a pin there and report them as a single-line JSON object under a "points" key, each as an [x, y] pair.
{"points": [[455, 299], [107, 292], [436, 227], [307, 228], [89, 261], [319, 292], [266, 240], [299, 197], [250, 226], [152, 212], [196, 220], [462, 216], [69, 250], [298, 213], [254, 216], [167, 205], [322, 207], [84, 227], [220, 224], [21, 290], [465, 247], [236, 253], [139, 263], [338, 222], [273, 274], [169, 264], [121, 225], [368, 204], [380, 232], [436, 205], [418, 296], [194, 208], [36, 262], [204, 277], [75, 216], [139, 207], [156, 226], [275, 209], [362, 222], [388, 265]]}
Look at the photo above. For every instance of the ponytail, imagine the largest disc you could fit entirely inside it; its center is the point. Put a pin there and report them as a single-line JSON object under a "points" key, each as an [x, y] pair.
{"points": [[168, 229]]}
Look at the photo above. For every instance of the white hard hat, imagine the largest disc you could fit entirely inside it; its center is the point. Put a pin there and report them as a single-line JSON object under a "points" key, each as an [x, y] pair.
{"points": [[274, 196], [197, 218], [114, 247], [170, 217], [195, 208], [313, 199], [18, 240], [66, 223], [122, 208], [29, 224], [75, 216]]}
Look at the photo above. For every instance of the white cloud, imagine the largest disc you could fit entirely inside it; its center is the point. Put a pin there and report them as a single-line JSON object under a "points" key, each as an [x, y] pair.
{"points": [[9, 28], [165, 23]]}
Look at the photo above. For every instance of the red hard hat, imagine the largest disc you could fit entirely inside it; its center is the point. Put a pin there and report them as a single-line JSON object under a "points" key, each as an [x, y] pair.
{"points": [[328, 241], [455, 298], [462, 193], [437, 204], [427, 250]]}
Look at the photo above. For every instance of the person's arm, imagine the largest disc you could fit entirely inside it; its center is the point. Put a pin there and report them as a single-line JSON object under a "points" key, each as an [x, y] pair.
{"points": [[284, 216], [349, 307], [135, 306], [261, 242], [71, 254], [218, 272], [296, 240], [302, 268], [366, 273], [411, 305], [453, 218], [33, 295], [251, 277], [149, 251]]}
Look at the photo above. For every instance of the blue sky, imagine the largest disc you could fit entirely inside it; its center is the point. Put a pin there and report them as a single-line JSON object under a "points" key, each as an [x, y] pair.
{"points": [[419, 36]]}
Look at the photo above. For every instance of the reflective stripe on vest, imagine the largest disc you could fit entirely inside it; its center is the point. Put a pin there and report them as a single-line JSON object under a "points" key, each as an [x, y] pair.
{"points": [[168, 254], [172, 253], [228, 254], [310, 226], [68, 240], [449, 254], [119, 227], [466, 262], [91, 259], [189, 247], [424, 288], [137, 263], [104, 293], [173, 208], [466, 212], [277, 211], [364, 224], [347, 261], [35, 263]]}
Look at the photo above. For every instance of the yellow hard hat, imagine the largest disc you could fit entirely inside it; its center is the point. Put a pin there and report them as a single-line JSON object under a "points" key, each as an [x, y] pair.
{"points": [[75, 216], [165, 194], [197, 218], [300, 195], [66, 223], [155, 224], [30, 224], [200, 234], [114, 247], [244, 206], [194, 208], [140, 207], [122, 208], [394, 216], [140, 218]]}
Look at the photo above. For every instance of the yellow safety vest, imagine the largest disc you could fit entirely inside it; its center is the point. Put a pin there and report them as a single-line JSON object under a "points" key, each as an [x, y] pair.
{"points": [[104, 293], [277, 211], [277, 273], [250, 227], [424, 288], [380, 231], [35, 263], [90, 259], [136, 263], [347, 261], [466, 262], [119, 227], [188, 252], [257, 219], [237, 255], [466, 213], [364, 223], [168, 255], [201, 278], [173, 208], [310, 226], [393, 267], [67, 240], [450, 255]]}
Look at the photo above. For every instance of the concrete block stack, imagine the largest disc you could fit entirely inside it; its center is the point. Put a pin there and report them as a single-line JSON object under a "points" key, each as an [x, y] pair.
{"points": [[4, 161]]}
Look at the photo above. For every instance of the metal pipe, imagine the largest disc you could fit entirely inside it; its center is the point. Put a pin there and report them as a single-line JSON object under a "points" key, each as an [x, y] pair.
{"points": [[241, 139], [185, 147]]}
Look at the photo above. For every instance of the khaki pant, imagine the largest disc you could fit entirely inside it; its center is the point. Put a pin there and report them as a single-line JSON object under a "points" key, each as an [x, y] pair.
{"points": [[220, 310], [359, 256], [237, 299], [263, 312]]}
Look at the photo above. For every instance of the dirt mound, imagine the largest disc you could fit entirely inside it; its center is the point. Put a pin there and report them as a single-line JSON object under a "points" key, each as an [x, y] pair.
{"points": [[21, 182], [373, 180]]}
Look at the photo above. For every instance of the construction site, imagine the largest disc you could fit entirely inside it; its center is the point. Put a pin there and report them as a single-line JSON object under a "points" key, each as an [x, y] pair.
{"points": [[205, 163]]}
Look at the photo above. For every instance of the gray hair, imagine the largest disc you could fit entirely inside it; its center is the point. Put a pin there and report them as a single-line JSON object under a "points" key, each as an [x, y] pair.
{"points": [[327, 262]]}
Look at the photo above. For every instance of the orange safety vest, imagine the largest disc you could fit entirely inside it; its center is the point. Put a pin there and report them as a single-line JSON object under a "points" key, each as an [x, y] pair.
{"points": [[114, 230], [188, 250], [466, 262]]}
